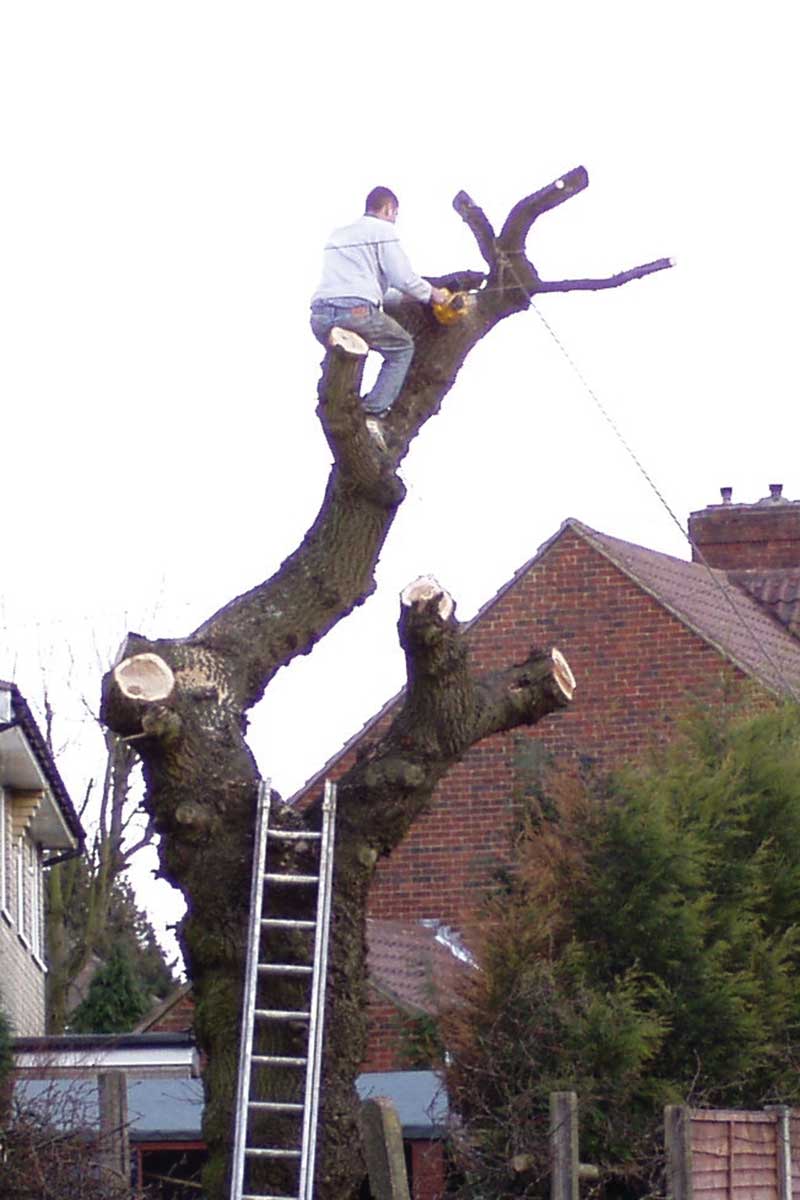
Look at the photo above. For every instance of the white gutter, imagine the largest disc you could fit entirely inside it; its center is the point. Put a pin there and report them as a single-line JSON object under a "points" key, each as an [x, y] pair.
{"points": [[115, 1057]]}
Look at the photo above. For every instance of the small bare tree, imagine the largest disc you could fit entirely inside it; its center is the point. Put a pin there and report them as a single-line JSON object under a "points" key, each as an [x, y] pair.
{"points": [[52, 1149], [83, 892]]}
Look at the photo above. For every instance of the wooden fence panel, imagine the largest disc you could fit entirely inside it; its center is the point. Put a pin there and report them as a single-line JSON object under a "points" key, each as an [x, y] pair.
{"points": [[733, 1155]]}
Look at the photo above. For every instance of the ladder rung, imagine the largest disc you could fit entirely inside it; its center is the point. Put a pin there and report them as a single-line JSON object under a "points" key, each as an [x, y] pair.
{"points": [[292, 835], [284, 969], [286, 923], [270, 1152], [285, 877], [267, 1196], [279, 1014], [278, 1060], [275, 1106]]}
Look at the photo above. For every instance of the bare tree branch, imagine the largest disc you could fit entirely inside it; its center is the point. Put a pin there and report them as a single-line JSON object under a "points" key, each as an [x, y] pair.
{"points": [[524, 213], [612, 281], [145, 840], [480, 225], [86, 798]]}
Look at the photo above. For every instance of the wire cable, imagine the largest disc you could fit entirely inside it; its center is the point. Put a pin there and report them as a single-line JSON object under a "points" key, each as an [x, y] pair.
{"points": [[697, 552], [700, 557]]}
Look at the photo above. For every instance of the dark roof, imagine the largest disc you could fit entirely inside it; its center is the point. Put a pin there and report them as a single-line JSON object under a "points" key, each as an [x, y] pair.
{"points": [[415, 964], [23, 717], [777, 590], [164, 1109], [159, 1109], [419, 1097], [52, 1043]]}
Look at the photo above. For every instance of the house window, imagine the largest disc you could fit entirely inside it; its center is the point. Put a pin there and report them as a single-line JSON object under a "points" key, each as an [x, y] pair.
{"points": [[28, 894]]}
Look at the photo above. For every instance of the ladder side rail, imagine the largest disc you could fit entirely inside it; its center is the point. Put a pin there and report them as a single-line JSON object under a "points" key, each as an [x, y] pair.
{"points": [[250, 983], [325, 919], [317, 1005]]}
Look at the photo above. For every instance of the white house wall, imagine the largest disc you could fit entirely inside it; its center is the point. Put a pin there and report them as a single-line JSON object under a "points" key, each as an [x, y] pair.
{"points": [[22, 969]]}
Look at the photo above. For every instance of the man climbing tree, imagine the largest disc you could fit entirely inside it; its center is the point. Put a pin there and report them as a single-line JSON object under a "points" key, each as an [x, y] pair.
{"points": [[362, 262], [185, 700]]}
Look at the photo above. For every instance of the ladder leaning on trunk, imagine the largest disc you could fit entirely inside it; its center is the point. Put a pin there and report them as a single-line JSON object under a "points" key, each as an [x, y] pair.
{"points": [[310, 1017]]}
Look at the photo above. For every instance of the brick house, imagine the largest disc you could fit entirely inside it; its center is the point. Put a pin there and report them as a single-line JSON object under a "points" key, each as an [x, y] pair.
{"points": [[646, 635], [38, 826]]}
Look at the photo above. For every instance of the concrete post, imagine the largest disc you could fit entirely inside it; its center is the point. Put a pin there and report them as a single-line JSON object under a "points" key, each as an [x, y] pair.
{"points": [[382, 1138], [115, 1154]]}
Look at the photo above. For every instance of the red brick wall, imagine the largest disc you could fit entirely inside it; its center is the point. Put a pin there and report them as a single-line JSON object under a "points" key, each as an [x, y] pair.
{"points": [[637, 668], [385, 1050], [427, 1170], [176, 1019], [445, 862], [739, 537]]}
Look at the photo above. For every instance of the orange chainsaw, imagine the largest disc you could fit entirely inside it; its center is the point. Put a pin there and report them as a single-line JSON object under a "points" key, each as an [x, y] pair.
{"points": [[456, 306]]}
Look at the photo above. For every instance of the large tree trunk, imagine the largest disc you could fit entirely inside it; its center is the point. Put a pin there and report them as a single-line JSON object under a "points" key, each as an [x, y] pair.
{"points": [[183, 702]]}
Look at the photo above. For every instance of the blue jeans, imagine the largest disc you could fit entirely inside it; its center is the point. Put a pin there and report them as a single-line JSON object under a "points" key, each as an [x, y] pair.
{"points": [[380, 332]]}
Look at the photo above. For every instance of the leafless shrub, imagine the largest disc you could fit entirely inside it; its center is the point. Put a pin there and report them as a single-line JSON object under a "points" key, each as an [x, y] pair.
{"points": [[51, 1149]]}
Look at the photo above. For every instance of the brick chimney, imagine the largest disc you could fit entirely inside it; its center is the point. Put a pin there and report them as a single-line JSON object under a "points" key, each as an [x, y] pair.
{"points": [[739, 537]]}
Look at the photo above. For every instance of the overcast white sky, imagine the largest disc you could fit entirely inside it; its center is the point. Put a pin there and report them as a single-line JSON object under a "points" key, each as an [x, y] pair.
{"points": [[170, 171]]}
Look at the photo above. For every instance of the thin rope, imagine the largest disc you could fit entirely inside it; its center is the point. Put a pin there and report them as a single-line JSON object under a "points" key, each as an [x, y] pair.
{"points": [[606, 414], [700, 557], [727, 593]]}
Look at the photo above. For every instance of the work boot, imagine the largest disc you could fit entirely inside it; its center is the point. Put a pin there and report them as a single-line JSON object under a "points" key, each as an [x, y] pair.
{"points": [[375, 430]]}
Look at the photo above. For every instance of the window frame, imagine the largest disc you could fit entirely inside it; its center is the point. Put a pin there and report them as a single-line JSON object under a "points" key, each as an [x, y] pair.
{"points": [[37, 905], [3, 855], [20, 873]]}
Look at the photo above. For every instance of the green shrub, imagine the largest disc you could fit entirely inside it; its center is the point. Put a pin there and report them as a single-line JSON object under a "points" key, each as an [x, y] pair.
{"points": [[645, 951], [114, 1002]]}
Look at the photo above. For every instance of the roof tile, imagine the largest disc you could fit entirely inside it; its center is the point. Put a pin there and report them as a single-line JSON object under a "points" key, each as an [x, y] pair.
{"points": [[714, 606], [412, 965]]}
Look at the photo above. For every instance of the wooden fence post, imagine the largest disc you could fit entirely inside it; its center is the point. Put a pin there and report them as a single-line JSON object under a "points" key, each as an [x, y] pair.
{"points": [[784, 1147], [563, 1146], [678, 1146]]}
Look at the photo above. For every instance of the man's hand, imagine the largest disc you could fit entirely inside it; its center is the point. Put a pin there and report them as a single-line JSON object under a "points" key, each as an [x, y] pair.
{"points": [[439, 295]]}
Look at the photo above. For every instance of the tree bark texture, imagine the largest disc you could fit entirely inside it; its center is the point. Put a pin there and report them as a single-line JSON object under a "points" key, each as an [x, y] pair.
{"points": [[185, 711]]}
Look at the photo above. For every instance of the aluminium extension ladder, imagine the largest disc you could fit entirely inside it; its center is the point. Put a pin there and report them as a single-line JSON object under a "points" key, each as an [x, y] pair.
{"points": [[312, 1015]]}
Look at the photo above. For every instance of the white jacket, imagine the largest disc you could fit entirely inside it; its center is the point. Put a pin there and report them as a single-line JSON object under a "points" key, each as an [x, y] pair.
{"points": [[364, 260]]}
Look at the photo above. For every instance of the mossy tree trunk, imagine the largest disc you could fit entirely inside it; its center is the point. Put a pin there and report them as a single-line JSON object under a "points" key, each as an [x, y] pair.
{"points": [[183, 702]]}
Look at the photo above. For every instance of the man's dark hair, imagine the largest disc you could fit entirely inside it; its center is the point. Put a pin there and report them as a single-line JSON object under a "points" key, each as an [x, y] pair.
{"points": [[378, 197]]}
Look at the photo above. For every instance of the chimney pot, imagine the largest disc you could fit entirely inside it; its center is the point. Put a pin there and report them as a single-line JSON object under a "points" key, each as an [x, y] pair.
{"points": [[762, 536]]}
